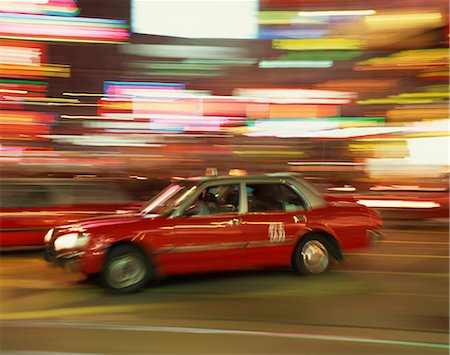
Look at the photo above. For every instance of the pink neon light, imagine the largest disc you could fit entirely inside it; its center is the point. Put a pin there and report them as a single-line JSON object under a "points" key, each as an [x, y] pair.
{"points": [[40, 7], [131, 90], [58, 31]]}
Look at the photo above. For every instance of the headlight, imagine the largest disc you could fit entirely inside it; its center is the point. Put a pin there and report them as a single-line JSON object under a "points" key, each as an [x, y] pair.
{"points": [[71, 241], [48, 236]]}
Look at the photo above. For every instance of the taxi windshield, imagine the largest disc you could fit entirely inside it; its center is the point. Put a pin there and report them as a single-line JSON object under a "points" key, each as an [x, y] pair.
{"points": [[168, 199]]}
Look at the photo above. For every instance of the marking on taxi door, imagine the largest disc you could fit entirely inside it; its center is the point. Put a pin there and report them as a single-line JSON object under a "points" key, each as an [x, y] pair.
{"points": [[277, 233]]}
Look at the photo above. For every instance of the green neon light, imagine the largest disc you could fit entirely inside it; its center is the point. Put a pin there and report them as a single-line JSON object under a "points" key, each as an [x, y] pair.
{"points": [[25, 82]]}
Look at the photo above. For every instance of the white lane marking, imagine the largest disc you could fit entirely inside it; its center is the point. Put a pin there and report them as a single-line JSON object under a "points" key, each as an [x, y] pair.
{"points": [[194, 330]]}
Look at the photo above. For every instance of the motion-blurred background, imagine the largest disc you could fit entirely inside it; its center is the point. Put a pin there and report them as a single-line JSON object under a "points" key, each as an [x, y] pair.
{"points": [[352, 94]]}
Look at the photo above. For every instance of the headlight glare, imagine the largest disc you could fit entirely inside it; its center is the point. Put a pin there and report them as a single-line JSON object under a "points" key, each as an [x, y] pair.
{"points": [[71, 241]]}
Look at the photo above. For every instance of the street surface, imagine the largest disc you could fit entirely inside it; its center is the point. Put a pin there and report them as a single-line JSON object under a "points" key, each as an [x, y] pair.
{"points": [[390, 299]]}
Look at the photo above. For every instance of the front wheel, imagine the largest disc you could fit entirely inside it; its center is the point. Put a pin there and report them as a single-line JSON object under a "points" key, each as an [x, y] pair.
{"points": [[127, 269], [311, 255]]}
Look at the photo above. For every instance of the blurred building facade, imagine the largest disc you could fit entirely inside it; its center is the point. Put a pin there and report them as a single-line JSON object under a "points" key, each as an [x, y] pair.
{"points": [[336, 91]]}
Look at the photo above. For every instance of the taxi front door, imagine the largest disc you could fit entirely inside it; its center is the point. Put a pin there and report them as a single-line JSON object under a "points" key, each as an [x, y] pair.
{"points": [[202, 244]]}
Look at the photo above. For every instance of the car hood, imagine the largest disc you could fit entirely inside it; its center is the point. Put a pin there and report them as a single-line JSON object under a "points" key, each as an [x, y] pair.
{"points": [[96, 222]]}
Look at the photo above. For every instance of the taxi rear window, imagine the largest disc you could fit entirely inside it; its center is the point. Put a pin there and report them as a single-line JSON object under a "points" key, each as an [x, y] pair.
{"points": [[313, 195]]}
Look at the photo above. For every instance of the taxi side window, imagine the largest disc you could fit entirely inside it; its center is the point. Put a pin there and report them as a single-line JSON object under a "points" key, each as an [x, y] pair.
{"points": [[292, 201], [217, 200], [264, 197]]}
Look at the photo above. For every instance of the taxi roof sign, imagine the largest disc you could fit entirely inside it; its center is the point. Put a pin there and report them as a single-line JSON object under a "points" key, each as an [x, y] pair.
{"points": [[211, 172], [237, 172]]}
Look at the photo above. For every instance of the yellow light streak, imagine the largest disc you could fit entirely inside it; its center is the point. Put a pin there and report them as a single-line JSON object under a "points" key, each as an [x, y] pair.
{"points": [[337, 13], [8, 91], [399, 20], [81, 94], [319, 43], [51, 70], [50, 99]]}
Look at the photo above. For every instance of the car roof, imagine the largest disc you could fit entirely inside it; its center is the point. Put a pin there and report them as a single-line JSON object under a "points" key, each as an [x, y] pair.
{"points": [[274, 176]]}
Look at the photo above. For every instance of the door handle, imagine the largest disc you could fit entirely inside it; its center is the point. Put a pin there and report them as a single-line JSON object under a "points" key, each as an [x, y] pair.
{"points": [[299, 218], [234, 222]]}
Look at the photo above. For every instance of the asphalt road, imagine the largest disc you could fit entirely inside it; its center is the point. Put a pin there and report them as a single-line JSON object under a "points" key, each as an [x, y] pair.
{"points": [[391, 299]]}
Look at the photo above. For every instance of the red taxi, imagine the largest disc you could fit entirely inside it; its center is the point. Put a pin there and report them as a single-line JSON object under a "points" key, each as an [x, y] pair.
{"points": [[211, 224]]}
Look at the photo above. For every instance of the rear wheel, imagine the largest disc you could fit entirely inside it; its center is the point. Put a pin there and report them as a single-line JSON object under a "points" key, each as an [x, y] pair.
{"points": [[311, 255], [127, 269]]}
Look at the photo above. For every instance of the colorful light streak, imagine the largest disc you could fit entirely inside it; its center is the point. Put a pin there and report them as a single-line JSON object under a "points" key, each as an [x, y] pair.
{"points": [[8, 116], [293, 93], [54, 28], [398, 204], [179, 73], [20, 55], [403, 20], [275, 111], [279, 33], [360, 85], [185, 51], [285, 18], [114, 88], [319, 44], [408, 98], [424, 112], [40, 71], [295, 64], [321, 55], [336, 13], [327, 130], [28, 85], [41, 7], [411, 59]]}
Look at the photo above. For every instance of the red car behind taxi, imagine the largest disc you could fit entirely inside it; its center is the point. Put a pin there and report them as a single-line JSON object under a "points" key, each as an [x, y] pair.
{"points": [[30, 206]]}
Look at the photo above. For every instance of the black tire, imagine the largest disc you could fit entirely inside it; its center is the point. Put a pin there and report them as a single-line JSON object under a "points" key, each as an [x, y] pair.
{"points": [[312, 255], [127, 269]]}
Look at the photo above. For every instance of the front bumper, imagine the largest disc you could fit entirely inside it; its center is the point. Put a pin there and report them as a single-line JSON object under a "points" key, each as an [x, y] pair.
{"points": [[69, 260]]}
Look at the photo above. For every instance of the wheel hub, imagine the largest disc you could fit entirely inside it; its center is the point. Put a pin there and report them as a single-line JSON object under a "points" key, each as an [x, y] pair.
{"points": [[125, 271], [315, 256]]}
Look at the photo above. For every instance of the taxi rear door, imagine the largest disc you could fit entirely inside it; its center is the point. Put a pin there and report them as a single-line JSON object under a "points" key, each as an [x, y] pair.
{"points": [[275, 218]]}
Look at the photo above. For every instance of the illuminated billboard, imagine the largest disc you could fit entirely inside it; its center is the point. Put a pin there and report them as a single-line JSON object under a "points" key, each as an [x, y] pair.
{"points": [[196, 18]]}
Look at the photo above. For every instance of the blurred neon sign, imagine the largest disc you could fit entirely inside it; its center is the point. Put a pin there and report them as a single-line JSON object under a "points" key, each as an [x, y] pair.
{"points": [[55, 28], [22, 53], [41, 7], [133, 88]]}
